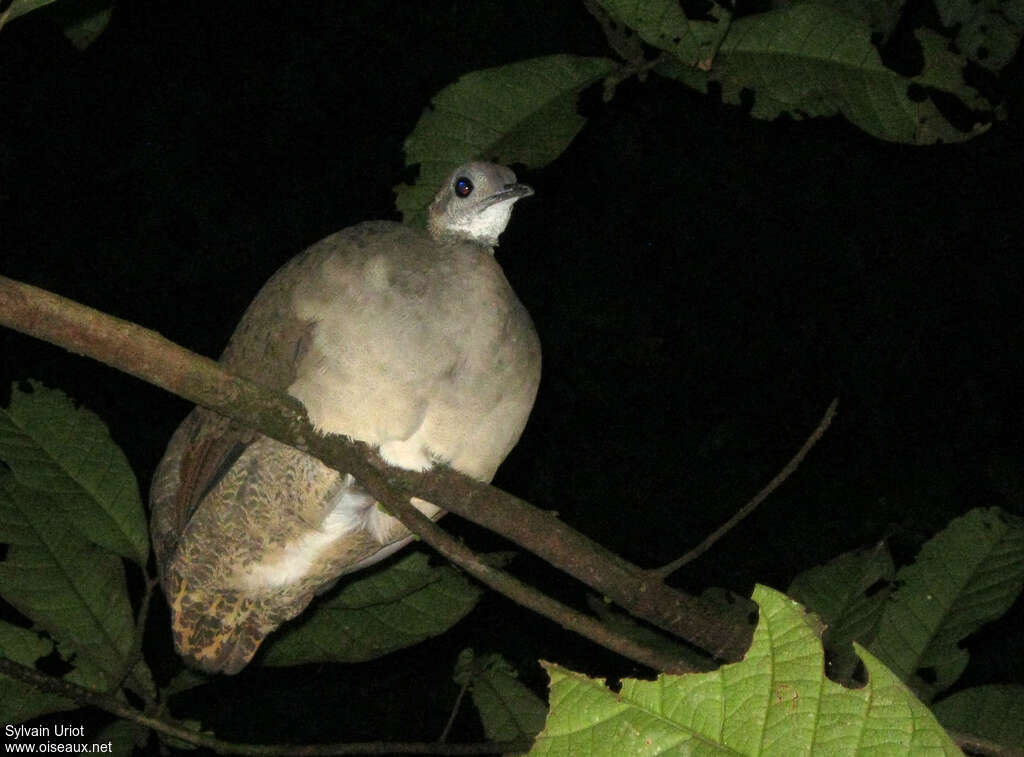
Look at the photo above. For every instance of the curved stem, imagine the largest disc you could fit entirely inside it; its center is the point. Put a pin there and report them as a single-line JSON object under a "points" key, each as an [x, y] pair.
{"points": [[666, 570]]}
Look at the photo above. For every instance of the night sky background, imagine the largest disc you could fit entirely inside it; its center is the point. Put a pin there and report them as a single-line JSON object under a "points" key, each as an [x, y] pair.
{"points": [[703, 285]]}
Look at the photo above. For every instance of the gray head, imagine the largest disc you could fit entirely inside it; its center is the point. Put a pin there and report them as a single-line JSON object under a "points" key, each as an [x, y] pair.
{"points": [[475, 203]]}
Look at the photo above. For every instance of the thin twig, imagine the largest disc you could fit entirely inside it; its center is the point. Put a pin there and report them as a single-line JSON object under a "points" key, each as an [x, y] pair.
{"points": [[747, 509], [455, 711], [135, 654]]}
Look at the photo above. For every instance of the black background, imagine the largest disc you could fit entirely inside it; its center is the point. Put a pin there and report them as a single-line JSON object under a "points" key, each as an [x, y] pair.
{"points": [[703, 285]]}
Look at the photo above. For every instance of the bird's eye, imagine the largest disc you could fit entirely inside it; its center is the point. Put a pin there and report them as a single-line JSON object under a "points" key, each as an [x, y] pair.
{"points": [[463, 187]]}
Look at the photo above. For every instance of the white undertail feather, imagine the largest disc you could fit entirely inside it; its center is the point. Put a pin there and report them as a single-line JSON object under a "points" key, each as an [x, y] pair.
{"points": [[296, 561], [353, 510]]}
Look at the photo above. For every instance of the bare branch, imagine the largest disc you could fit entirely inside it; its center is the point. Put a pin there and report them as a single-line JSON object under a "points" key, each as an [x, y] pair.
{"points": [[526, 595], [747, 509], [456, 706], [134, 657]]}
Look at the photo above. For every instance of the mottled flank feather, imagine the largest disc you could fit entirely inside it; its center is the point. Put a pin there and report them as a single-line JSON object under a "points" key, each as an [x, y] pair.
{"points": [[220, 632]]}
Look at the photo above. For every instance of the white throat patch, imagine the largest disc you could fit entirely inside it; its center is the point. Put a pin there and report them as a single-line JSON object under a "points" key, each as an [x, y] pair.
{"points": [[485, 226]]}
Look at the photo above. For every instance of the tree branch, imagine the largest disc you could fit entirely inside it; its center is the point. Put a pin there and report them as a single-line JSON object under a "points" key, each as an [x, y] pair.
{"points": [[114, 706], [526, 595], [666, 570], [718, 629]]}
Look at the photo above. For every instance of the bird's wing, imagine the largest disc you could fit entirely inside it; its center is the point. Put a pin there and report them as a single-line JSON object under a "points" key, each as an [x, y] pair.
{"points": [[230, 507], [264, 349]]}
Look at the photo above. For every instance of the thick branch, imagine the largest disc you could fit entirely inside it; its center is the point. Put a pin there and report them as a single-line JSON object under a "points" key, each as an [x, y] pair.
{"points": [[147, 355]]}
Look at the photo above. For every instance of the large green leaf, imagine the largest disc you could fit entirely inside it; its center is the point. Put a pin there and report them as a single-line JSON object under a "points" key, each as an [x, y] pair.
{"points": [[64, 583], [520, 113], [813, 59], [370, 617], [777, 701], [964, 577], [849, 595], [66, 454]]}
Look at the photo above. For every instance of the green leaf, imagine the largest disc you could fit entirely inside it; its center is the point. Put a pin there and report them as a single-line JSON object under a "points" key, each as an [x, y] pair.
{"points": [[84, 672], [964, 577], [849, 595], [881, 15], [520, 113], [66, 454], [373, 616], [20, 701], [777, 701], [184, 680], [508, 710], [995, 713], [65, 584], [812, 60], [990, 30], [81, 20], [83, 31], [662, 24], [21, 7]]}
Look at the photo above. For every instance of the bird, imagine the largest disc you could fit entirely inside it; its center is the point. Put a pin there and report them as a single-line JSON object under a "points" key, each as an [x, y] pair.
{"points": [[411, 340]]}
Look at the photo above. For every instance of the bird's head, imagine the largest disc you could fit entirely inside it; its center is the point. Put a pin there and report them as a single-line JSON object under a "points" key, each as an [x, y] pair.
{"points": [[475, 203]]}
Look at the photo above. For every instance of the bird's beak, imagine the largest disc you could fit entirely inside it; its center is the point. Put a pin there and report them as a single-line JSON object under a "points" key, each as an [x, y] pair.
{"points": [[509, 192]]}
